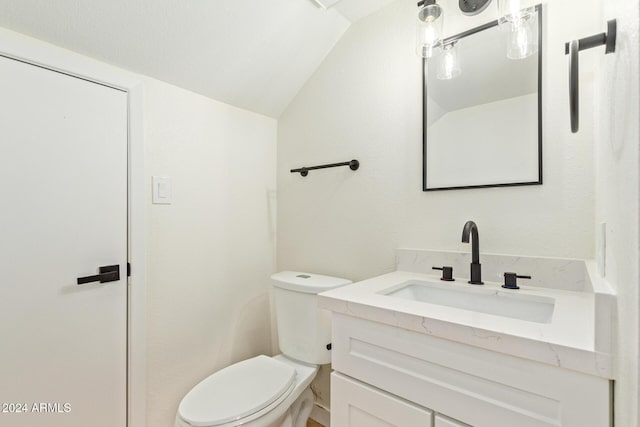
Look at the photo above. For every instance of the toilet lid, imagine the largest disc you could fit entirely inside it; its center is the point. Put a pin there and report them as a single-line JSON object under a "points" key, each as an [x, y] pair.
{"points": [[237, 391]]}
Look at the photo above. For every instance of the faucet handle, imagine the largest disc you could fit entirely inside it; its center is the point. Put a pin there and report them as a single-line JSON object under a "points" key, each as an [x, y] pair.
{"points": [[511, 280], [447, 273]]}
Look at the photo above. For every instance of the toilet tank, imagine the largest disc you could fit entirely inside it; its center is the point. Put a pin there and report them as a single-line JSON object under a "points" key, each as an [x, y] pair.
{"points": [[304, 330]]}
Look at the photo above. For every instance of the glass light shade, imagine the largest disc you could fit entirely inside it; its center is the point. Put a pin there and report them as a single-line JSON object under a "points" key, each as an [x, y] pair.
{"points": [[510, 12], [449, 66], [522, 42], [429, 30]]}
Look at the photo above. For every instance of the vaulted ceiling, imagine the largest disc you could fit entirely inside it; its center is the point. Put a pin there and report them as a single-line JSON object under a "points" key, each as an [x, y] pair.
{"points": [[254, 54]]}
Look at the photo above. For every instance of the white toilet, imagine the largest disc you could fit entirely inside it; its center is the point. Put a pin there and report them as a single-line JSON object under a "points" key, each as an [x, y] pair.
{"points": [[271, 391]]}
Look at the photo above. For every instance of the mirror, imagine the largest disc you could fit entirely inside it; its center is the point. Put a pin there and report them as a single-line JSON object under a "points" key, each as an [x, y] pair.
{"points": [[482, 118]]}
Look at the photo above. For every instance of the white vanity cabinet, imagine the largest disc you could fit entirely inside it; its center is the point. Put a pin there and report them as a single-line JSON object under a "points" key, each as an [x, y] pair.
{"points": [[442, 421], [389, 376], [355, 404]]}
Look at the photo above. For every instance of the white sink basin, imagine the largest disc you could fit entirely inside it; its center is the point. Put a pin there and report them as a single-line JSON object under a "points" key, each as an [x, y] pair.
{"points": [[532, 308]]}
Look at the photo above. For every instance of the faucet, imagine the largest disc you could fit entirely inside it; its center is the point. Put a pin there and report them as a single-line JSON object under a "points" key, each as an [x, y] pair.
{"points": [[470, 228]]}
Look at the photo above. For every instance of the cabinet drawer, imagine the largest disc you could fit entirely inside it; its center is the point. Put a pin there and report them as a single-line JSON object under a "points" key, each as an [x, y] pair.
{"points": [[354, 404], [442, 421], [476, 386]]}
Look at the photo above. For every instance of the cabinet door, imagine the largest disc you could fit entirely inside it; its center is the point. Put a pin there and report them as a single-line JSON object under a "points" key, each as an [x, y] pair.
{"points": [[475, 385], [355, 404], [442, 421]]}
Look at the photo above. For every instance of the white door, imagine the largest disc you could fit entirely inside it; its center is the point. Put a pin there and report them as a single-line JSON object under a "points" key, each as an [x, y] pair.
{"points": [[63, 214]]}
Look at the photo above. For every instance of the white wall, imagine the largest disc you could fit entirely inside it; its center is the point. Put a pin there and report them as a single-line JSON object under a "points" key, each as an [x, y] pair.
{"points": [[209, 255], [211, 252], [617, 191], [364, 102]]}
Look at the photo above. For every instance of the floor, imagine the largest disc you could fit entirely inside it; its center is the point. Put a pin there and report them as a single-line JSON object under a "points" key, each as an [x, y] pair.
{"points": [[312, 423]]}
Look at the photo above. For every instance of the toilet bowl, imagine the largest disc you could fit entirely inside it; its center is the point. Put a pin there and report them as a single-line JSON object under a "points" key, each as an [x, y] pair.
{"points": [[259, 392], [270, 391]]}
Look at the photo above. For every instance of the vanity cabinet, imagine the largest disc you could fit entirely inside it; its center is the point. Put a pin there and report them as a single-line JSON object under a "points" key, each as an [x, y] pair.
{"points": [[356, 404], [389, 376], [442, 421]]}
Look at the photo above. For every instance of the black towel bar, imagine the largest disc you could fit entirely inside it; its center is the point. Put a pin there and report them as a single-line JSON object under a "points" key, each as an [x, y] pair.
{"points": [[353, 165]]}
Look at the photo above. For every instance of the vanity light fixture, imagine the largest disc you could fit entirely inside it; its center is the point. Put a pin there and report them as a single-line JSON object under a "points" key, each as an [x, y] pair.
{"points": [[522, 42], [520, 20], [512, 12], [429, 28], [449, 66], [473, 7], [517, 17], [430, 19]]}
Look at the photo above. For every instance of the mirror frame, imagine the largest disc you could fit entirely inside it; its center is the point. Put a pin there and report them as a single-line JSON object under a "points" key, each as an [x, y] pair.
{"points": [[456, 37]]}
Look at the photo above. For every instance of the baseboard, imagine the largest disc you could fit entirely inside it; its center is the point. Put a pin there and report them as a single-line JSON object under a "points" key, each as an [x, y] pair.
{"points": [[321, 415]]}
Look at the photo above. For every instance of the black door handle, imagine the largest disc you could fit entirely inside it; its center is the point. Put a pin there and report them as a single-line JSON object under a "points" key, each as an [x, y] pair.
{"points": [[109, 273]]}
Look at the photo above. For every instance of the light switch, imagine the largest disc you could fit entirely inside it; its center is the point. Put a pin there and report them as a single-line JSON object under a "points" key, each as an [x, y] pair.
{"points": [[161, 190]]}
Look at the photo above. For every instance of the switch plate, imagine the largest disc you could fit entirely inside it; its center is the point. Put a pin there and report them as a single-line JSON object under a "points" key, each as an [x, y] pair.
{"points": [[161, 186]]}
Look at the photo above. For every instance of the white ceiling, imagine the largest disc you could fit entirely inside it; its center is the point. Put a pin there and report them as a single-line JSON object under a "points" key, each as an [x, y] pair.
{"points": [[354, 10], [254, 54]]}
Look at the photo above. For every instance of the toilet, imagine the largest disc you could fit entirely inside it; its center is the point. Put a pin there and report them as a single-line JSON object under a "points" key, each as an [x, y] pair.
{"points": [[271, 391]]}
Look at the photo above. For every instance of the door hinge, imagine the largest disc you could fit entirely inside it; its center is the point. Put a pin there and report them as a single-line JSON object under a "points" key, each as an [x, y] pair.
{"points": [[128, 269]]}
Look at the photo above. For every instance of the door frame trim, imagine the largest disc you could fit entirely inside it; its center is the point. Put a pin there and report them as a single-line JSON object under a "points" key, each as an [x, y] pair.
{"points": [[17, 46]]}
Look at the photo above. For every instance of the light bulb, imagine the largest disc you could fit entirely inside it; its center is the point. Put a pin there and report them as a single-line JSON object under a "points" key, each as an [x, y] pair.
{"points": [[430, 35], [523, 41], [429, 29], [511, 12], [449, 66]]}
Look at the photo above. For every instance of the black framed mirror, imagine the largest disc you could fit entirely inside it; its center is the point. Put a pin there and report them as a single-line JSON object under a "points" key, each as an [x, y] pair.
{"points": [[482, 109]]}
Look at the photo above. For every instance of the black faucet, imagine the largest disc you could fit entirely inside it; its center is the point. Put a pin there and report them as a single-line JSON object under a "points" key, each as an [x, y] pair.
{"points": [[470, 228]]}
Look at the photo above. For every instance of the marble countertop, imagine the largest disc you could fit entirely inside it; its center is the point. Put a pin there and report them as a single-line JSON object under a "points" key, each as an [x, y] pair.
{"points": [[569, 341]]}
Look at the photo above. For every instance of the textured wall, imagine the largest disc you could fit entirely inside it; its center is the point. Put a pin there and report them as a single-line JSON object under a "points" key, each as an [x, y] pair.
{"points": [[364, 102], [211, 252], [617, 191]]}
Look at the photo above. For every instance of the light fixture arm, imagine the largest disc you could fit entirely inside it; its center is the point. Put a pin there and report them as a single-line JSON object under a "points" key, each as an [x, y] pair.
{"points": [[468, 7], [473, 7], [426, 2]]}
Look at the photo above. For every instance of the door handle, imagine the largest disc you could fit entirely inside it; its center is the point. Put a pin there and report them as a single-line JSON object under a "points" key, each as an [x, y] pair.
{"points": [[109, 273]]}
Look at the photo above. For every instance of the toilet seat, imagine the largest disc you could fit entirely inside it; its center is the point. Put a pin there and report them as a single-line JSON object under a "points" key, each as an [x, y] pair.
{"points": [[238, 391]]}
